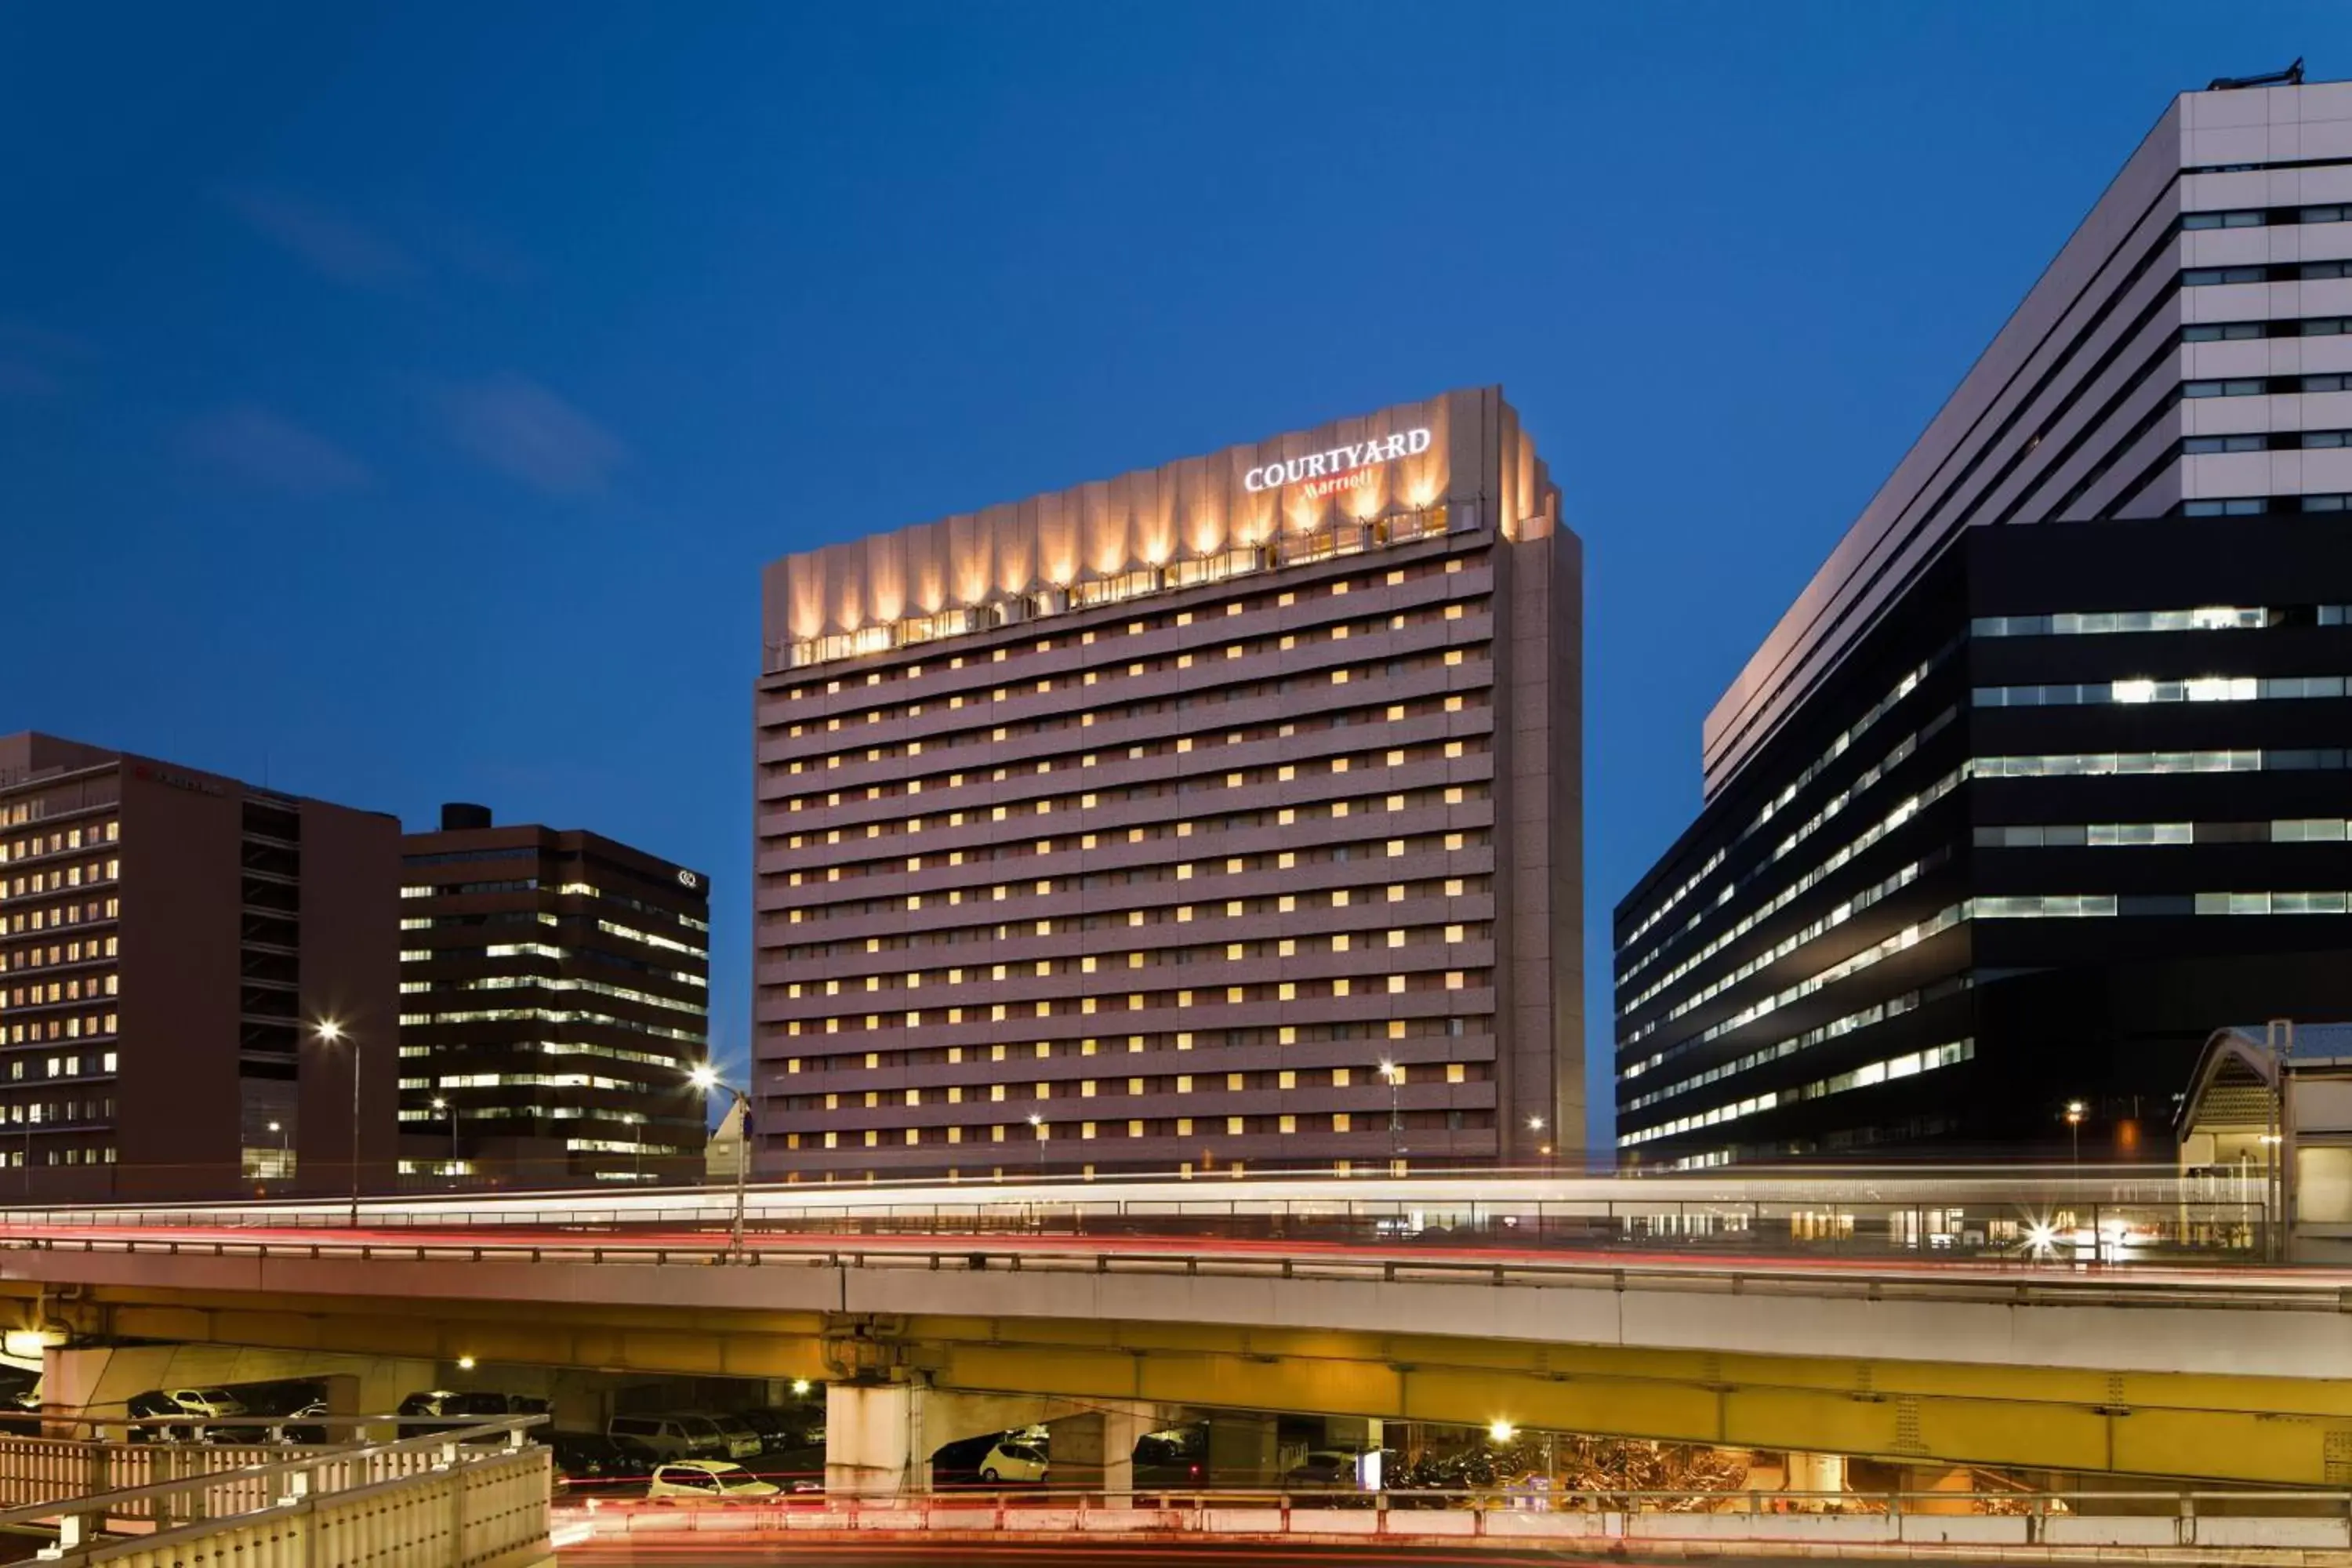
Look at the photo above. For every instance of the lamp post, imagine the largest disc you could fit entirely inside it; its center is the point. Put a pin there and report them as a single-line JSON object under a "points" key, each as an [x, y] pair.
{"points": [[279, 1128], [331, 1033], [1395, 1076], [442, 1105], [1037, 1134], [2074, 1113], [706, 1079]]}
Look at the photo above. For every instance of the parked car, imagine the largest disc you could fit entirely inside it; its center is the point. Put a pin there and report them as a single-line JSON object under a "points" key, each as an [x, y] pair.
{"points": [[586, 1459], [668, 1437], [1174, 1458], [1014, 1461], [709, 1480], [212, 1404], [782, 1431], [744, 1440]]}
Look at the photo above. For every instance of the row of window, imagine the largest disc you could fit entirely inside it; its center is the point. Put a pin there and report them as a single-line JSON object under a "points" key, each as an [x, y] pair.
{"points": [[1284, 860], [2140, 690], [1320, 810], [1454, 1025], [2261, 218], [1130, 585], [1175, 1127], [64, 841], [60, 878], [1828, 810], [1180, 1083], [2102, 764], [80, 1027], [52, 1112], [1391, 940], [57, 915], [1109, 920], [1903, 812], [552, 1015], [2266, 272], [1319, 721], [2267, 385], [1340, 631], [1160, 787], [2096, 623], [548, 1048], [2291, 327], [1831, 753], [1845, 910], [96, 1155], [2132, 835], [1141, 1000], [2063, 906], [2266, 441], [564, 889], [545, 983], [1835, 1029], [1891, 1070], [37, 956], [2266, 506]]}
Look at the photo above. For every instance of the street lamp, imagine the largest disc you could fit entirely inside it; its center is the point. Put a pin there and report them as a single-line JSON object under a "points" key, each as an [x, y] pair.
{"points": [[331, 1033], [441, 1104], [2074, 1112], [706, 1079], [1037, 1130], [1395, 1076], [279, 1130]]}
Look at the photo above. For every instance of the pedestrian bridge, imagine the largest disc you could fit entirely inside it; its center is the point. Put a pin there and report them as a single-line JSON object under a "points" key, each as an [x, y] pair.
{"points": [[2225, 1373]]}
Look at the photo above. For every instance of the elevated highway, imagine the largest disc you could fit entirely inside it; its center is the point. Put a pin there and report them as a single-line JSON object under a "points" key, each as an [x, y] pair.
{"points": [[2005, 1357]]}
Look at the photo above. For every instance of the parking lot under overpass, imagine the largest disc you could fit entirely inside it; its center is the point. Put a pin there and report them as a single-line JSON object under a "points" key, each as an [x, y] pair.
{"points": [[2224, 1377]]}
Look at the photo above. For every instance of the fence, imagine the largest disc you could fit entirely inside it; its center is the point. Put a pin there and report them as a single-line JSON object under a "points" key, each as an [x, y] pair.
{"points": [[475, 1496], [2238, 1522]]}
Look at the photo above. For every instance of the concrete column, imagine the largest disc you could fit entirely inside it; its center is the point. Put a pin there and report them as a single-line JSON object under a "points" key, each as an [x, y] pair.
{"points": [[1242, 1450], [874, 1439], [1816, 1473], [1094, 1452]]}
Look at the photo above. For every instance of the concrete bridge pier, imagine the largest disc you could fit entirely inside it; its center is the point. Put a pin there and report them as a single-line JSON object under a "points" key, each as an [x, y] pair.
{"points": [[879, 1436]]}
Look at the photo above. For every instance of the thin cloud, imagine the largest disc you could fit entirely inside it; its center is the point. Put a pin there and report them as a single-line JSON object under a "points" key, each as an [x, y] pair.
{"points": [[257, 447], [327, 240], [528, 433]]}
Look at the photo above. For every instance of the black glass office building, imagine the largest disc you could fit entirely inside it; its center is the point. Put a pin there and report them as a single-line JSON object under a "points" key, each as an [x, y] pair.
{"points": [[2043, 777]]}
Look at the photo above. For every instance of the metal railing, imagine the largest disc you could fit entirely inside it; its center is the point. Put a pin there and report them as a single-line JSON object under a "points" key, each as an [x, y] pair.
{"points": [[2110, 1224], [298, 1485], [2243, 1521], [2013, 1283]]}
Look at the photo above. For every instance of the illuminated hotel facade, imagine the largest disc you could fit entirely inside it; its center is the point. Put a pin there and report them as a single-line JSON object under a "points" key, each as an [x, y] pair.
{"points": [[2042, 779], [1218, 816]]}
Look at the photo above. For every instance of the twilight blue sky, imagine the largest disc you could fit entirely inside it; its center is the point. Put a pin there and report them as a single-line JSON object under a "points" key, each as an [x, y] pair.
{"points": [[401, 401]]}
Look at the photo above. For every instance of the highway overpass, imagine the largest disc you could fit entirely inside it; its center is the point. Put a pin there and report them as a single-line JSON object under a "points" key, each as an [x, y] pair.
{"points": [[2237, 1373]]}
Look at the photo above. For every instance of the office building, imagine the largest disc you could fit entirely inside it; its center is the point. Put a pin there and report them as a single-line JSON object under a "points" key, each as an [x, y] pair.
{"points": [[171, 942], [2043, 778], [1214, 817], [555, 998]]}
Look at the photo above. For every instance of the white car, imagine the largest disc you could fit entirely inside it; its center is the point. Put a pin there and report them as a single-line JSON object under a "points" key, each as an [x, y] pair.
{"points": [[1014, 1460], [209, 1403], [709, 1479]]}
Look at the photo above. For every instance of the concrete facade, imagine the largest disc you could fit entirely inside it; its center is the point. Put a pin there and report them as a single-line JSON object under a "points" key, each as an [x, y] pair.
{"points": [[1196, 819], [172, 940]]}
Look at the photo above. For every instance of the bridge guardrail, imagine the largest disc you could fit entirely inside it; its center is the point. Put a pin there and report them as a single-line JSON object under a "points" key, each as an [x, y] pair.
{"points": [[2237, 1521], [2024, 1283]]}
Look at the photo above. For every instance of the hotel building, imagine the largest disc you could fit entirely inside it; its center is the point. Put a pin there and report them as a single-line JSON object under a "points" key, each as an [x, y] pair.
{"points": [[170, 940], [555, 997], [1213, 817], [2043, 778]]}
